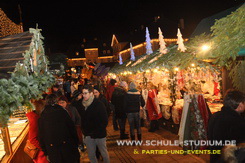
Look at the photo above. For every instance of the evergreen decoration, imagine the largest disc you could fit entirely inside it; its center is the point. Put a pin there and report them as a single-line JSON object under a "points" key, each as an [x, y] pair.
{"points": [[180, 42], [132, 52], [120, 59], [237, 75], [228, 38], [148, 42], [28, 81], [163, 49], [228, 35]]}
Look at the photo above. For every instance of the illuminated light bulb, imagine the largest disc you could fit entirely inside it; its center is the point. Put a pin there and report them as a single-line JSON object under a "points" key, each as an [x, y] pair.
{"points": [[176, 69], [193, 65], [205, 47]]}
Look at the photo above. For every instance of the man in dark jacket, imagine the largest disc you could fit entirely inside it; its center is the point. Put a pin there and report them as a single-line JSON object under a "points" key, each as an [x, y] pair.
{"points": [[57, 133], [117, 100], [94, 121], [228, 124]]}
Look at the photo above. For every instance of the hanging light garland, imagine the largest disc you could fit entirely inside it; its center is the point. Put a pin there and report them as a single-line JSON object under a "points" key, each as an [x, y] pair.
{"points": [[7, 26]]}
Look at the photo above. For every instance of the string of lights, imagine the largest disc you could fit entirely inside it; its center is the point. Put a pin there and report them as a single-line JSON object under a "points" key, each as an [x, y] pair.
{"points": [[7, 26]]}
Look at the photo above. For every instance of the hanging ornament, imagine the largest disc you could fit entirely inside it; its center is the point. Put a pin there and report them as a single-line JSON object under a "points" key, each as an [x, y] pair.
{"points": [[132, 52], [31, 65], [180, 42]]}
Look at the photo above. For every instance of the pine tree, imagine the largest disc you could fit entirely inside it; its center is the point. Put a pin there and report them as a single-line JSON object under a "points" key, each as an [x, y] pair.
{"points": [[163, 48], [180, 42], [132, 52], [148, 42]]}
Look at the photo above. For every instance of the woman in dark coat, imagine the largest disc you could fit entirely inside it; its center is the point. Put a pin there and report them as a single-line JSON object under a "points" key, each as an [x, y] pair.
{"points": [[101, 97], [58, 137], [117, 100]]}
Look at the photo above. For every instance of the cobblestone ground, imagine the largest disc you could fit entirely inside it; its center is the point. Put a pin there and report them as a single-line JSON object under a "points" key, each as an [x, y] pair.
{"points": [[128, 154]]}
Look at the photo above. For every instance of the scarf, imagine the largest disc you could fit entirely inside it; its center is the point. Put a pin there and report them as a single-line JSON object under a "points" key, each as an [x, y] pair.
{"points": [[133, 90], [87, 103]]}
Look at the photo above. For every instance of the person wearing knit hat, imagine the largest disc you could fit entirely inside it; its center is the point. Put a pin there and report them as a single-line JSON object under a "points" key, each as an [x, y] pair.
{"points": [[132, 85], [132, 102], [124, 85], [76, 93]]}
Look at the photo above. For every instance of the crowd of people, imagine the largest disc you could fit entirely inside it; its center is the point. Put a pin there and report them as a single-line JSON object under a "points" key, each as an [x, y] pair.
{"points": [[75, 115]]}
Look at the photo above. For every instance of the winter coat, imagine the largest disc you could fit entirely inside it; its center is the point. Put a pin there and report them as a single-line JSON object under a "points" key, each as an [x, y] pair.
{"points": [[133, 100], [75, 117], [226, 124], [94, 119], [117, 99], [109, 91], [67, 87], [33, 136], [152, 105], [58, 137], [106, 103]]}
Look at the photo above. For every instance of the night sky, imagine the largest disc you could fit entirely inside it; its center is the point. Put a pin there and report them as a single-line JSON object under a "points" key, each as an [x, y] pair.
{"points": [[66, 23]]}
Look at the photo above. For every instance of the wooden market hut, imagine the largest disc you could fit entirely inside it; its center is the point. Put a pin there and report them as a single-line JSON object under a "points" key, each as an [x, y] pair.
{"points": [[11, 51]]}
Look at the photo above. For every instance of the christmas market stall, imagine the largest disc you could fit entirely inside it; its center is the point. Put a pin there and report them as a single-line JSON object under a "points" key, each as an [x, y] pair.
{"points": [[174, 70], [24, 76], [188, 78]]}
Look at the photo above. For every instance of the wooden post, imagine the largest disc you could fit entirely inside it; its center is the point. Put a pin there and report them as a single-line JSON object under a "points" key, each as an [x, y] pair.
{"points": [[6, 140]]}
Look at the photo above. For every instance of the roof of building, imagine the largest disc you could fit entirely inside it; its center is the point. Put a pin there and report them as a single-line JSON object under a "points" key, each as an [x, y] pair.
{"points": [[11, 49]]}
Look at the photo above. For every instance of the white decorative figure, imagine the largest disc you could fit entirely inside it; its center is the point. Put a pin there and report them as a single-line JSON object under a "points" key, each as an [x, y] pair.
{"points": [[132, 52], [148, 42], [120, 59], [180, 42], [162, 43]]}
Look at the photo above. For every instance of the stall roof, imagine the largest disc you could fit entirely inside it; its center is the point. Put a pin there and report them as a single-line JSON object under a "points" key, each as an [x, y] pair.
{"points": [[11, 49], [205, 24]]}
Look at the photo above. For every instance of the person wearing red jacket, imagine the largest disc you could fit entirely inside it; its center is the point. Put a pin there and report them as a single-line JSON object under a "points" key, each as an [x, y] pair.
{"points": [[109, 90], [153, 108], [33, 117]]}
